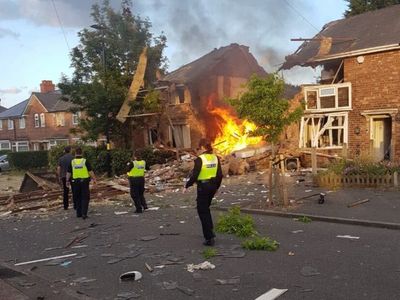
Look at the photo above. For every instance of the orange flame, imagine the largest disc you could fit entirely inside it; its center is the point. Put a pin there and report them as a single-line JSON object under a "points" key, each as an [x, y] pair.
{"points": [[234, 133]]}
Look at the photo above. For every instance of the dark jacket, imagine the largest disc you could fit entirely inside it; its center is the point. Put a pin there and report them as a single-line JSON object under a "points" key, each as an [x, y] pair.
{"points": [[198, 163]]}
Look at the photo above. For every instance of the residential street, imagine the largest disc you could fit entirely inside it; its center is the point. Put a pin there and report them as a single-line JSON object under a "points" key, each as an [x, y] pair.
{"points": [[111, 242]]}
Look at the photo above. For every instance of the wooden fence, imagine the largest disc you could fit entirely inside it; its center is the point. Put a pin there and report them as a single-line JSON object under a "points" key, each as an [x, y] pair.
{"points": [[332, 180]]}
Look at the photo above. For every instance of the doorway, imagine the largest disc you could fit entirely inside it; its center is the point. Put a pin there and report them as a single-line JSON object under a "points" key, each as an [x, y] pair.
{"points": [[381, 136]]}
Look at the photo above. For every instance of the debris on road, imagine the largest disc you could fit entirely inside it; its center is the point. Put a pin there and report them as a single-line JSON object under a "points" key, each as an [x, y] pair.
{"points": [[348, 237], [234, 280], [45, 259], [148, 267], [357, 203], [127, 295], [206, 265], [148, 238], [272, 294], [297, 231], [309, 271], [131, 275], [83, 280]]}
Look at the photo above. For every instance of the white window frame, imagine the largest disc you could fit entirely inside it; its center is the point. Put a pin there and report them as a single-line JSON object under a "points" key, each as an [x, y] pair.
{"points": [[37, 121], [1, 124], [76, 117], [318, 131], [42, 120], [5, 142], [320, 89], [22, 123], [10, 124], [18, 145]]}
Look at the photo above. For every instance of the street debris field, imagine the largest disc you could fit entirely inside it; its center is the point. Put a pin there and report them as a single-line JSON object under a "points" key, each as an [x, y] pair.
{"points": [[116, 254]]}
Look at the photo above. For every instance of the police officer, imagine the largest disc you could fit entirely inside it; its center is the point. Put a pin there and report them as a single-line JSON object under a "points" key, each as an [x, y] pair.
{"points": [[207, 173], [136, 182], [63, 163], [81, 173]]}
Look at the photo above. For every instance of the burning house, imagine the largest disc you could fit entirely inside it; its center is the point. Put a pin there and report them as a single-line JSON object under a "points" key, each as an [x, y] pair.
{"points": [[195, 108], [354, 108]]}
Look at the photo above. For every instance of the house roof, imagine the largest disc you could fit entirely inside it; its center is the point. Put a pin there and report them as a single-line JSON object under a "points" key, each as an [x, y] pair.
{"points": [[205, 64], [373, 31], [2, 108], [53, 101], [14, 111]]}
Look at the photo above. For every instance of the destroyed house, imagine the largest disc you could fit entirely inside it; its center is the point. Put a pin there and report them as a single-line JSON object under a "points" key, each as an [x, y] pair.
{"points": [[38, 123], [354, 109], [192, 93]]}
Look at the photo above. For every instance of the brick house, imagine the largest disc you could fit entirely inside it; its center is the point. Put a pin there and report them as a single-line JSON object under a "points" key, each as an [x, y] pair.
{"points": [[38, 123], [355, 107], [191, 92]]}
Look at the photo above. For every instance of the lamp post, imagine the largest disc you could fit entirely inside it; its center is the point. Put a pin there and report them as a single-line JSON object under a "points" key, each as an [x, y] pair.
{"points": [[108, 114]]}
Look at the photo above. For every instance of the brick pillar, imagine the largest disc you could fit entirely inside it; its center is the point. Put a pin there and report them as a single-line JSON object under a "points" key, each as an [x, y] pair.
{"points": [[47, 86]]}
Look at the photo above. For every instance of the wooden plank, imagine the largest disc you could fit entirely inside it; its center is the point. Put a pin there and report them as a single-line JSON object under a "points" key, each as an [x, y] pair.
{"points": [[137, 83]]}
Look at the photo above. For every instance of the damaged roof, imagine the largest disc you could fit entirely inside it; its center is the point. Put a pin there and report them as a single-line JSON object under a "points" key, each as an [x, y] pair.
{"points": [[209, 64], [369, 32]]}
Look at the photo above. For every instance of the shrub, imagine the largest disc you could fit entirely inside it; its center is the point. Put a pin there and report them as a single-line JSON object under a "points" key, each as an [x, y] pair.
{"points": [[28, 160], [2, 152], [54, 154], [236, 223], [120, 157], [209, 252], [260, 243], [304, 219]]}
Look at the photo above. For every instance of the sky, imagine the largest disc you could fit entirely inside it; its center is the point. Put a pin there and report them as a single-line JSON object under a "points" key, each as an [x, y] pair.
{"points": [[36, 36]]}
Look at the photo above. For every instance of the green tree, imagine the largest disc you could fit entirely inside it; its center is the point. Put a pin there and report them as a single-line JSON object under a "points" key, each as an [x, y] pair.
{"points": [[104, 63], [263, 104], [356, 7]]}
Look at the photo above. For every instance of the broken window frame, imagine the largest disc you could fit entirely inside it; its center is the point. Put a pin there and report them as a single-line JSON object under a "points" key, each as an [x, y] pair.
{"points": [[318, 131], [320, 88]]}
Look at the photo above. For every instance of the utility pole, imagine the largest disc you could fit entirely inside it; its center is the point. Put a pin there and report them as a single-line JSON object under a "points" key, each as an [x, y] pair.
{"points": [[108, 114]]}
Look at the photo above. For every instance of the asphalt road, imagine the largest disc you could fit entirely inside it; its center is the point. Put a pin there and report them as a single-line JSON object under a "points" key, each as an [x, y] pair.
{"points": [[323, 266]]}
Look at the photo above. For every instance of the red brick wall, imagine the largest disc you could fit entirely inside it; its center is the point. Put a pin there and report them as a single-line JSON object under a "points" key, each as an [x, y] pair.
{"points": [[375, 85]]}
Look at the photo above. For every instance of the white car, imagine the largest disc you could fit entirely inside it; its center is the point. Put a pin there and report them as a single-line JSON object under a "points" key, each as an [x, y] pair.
{"points": [[4, 165]]}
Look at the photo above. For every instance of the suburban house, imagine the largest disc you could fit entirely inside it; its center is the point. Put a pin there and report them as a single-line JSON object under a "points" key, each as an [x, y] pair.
{"points": [[194, 94], [355, 108], [38, 123]]}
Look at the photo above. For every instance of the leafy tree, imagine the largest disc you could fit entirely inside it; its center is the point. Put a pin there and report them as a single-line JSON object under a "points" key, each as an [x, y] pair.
{"points": [[264, 105], [356, 7], [104, 63]]}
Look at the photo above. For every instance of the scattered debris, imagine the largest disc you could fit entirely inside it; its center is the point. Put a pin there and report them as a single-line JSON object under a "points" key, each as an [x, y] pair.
{"points": [[309, 271], [45, 259], [24, 283], [348, 237], [83, 280], [148, 267], [120, 212], [127, 295], [66, 263], [297, 231], [272, 294], [148, 238], [185, 290], [77, 239], [170, 285], [357, 203], [206, 265], [131, 275], [291, 253], [228, 281]]}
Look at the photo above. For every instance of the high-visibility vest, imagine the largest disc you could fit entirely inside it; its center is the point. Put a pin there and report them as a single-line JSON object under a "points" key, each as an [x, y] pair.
{"points": [[209, 166], [138, 169], [79, 169]]}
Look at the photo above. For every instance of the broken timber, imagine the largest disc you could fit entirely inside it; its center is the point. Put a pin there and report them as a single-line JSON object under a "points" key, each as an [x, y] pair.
{"points": [[137, 83]]}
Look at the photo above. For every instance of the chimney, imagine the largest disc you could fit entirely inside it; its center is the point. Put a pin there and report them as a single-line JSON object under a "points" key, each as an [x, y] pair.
{"points": [[47, 86]]}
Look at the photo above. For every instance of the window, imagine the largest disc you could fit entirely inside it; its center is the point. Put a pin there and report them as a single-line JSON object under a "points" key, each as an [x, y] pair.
{"points": [[60, 119], [5, 145], [153, 136], [328, 97], [20, 146], [22, 123], [324, 130], [75, 118], [180, 136], [10, 124], [1, 124], [42, 120], [36, 118]]}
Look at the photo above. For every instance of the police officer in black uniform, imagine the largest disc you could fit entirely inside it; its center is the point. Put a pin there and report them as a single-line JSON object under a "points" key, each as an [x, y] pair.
{"points": [[137, 168], [207, 173]]}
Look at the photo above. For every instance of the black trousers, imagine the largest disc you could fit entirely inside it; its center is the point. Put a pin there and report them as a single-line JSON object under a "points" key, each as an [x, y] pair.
{"points": [[65, 193], [205, 193], [81, 196], [137, 192]]}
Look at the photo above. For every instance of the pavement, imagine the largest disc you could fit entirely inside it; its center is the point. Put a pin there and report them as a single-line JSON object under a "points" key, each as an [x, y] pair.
{"points": [[115, 241]]}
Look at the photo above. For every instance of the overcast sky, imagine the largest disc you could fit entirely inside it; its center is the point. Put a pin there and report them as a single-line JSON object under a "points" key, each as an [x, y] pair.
{"points": [[33, 47]]}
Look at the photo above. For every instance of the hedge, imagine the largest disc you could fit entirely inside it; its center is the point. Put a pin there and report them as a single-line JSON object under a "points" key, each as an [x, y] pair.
{"points": [[28, 160]]}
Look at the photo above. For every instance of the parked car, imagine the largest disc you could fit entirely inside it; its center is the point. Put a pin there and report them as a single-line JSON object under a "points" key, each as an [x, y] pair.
{"points": [[4, 165]]}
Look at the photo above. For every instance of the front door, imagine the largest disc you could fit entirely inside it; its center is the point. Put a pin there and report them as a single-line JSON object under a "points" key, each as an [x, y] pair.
{"points": [[381, 138]]}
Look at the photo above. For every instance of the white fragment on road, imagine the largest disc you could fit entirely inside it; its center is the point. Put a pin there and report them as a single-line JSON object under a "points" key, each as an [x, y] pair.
{"points": [[297, 231], [182, 222], [120, 212], [206, 265], [79, 246], [272, 294], [159, 196], [45, 259], [131, 275], [348, 237], [154, 208], [308, 191]]}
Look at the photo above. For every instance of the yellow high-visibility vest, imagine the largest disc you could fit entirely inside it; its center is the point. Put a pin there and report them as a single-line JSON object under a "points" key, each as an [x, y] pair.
{"points": [[209, 166], [138, 169], [79, 169]]}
